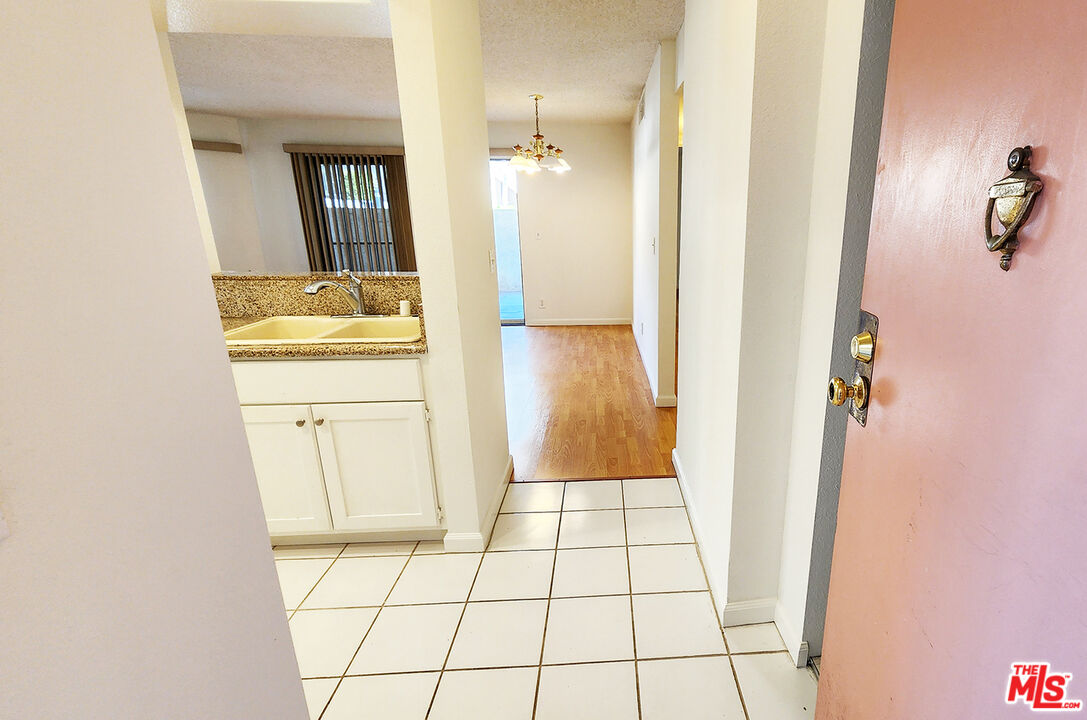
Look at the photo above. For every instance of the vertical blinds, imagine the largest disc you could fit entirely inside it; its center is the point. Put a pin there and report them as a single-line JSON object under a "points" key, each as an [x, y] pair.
{"points": [[355, 213]]}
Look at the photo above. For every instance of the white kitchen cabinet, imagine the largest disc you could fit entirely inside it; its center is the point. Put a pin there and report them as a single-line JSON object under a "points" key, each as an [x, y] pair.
{"points": [[360, 461], [286, 458], [377, 466]]}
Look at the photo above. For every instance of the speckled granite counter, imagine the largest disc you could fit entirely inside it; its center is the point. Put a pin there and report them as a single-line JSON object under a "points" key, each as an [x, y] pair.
{"points": [[244, 299]]}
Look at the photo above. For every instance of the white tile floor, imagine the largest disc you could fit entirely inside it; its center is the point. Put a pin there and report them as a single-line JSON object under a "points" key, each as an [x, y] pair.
{"points": [[591, 602]]}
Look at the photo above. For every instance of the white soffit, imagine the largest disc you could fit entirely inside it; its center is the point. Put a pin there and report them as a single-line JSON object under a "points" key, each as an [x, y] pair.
{"points": [[322, 18], [588, 58]]}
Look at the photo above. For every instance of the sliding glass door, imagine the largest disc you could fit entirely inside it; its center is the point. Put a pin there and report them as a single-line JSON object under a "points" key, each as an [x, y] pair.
{"points": [[507, 243]]}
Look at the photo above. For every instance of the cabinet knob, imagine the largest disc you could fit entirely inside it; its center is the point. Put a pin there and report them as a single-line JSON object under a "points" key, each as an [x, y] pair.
{"points": [[319, 422], [299, 423]]}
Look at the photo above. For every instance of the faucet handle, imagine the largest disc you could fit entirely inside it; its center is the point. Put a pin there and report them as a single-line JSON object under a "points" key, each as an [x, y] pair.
{"points": [[351, 275]]}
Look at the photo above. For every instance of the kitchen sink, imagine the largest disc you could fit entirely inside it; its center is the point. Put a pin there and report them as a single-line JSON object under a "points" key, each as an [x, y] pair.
{"points": [[303, 329]]}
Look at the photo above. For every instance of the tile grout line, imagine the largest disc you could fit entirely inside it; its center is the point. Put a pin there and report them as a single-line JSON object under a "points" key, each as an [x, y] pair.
{"points": [[600, 509], [521, 667], [716, 619], [547, 609], [368, 629], [306, 596], [630, 588], [580, 547], [464, 609], [518, 599]]}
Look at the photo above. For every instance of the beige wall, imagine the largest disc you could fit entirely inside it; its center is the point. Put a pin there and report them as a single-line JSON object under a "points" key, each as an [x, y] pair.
{"points": [[580, 264], [137, 581], [228, 192], [273, 180], [576, 226]]}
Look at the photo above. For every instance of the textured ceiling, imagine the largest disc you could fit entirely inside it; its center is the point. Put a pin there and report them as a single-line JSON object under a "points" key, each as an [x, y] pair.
{"points": [[589, 58], [277, 75]]}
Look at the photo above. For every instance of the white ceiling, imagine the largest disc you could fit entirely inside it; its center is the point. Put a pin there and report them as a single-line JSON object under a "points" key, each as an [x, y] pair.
{"points": [[589, 58]]}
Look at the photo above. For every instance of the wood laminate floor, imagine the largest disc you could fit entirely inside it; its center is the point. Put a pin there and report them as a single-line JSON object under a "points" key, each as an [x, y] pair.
{"points": [[578, 405]]}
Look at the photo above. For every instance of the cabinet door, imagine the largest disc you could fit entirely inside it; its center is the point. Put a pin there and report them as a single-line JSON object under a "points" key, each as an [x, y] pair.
{"points": [[288, 467], [376, 458]]}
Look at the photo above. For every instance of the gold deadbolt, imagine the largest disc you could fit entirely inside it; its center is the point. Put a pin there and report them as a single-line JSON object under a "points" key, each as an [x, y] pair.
{"points": [[838, 392], [862, 347]]}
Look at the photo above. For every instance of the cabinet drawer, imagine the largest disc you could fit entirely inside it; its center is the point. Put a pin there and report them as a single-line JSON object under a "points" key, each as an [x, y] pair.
{"points": [[271, 382]]}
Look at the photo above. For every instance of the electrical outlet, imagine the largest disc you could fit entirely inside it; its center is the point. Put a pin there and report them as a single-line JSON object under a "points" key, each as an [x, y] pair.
{"points": [[641, 328], [653, 245], [492, 259]]}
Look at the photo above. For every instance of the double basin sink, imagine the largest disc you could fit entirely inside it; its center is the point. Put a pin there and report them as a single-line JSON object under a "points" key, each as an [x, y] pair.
{"points": [[305, 329]]}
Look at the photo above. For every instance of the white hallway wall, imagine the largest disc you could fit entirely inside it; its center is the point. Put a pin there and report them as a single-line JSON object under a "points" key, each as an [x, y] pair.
{"points": [[575, 228], [655, 139], [755, 308], [138, 579]]}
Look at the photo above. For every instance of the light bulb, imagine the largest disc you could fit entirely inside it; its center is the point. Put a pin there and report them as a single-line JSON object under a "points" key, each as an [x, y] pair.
{"points": [[561, 166], [523, 164]]}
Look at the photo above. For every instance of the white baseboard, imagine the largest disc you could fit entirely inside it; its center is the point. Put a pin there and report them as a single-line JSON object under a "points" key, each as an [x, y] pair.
{"points": [[716, 588], [789, 634], [746, 612], [665, 401], [477, 541], [532, 322], [749, 612]]}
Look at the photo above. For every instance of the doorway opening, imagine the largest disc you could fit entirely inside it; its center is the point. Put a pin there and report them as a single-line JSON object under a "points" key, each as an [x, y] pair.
{"points": [[507, 243]]}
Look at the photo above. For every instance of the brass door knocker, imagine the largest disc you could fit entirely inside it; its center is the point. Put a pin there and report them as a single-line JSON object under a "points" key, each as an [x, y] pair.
{"points": [[1013, 197]]}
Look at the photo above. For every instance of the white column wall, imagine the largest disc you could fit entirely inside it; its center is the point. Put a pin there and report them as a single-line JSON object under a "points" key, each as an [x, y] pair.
{"points": [[439, 68]]}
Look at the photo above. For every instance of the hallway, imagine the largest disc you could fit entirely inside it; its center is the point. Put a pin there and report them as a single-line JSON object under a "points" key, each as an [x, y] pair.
{"points": [[590, 603], [578, 405]]}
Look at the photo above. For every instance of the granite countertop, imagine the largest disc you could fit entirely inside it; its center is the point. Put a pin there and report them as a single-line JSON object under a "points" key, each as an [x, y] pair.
{"points": [[315, 350]]}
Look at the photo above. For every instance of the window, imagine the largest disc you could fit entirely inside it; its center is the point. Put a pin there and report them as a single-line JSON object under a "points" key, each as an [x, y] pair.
{"points": [[354, 208]]}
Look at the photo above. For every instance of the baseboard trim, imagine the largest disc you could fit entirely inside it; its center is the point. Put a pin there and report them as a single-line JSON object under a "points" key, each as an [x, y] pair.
{"points": [[477, 541], [665, 401], [717, 590], [749, 612], [578, 321], [798, 649]]}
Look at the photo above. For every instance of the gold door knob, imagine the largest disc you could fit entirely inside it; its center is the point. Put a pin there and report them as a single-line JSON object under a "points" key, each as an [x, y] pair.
{"points": [[299, 423], [862, 347], [319, 422], [838, 392]]}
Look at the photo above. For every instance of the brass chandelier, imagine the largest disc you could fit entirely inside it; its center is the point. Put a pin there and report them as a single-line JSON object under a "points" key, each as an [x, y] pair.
{"points": [[538, 156]]}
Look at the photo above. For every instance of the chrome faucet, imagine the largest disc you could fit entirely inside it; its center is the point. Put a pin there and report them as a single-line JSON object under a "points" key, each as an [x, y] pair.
{"points": [[354, 292]]}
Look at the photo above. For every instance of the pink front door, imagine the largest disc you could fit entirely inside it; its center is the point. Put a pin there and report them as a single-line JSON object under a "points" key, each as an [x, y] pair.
{"points": [[961, 545]]}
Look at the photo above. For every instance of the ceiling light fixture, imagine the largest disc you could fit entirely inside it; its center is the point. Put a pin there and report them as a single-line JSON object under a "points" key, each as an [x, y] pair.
{"points": [[538, 156]]}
